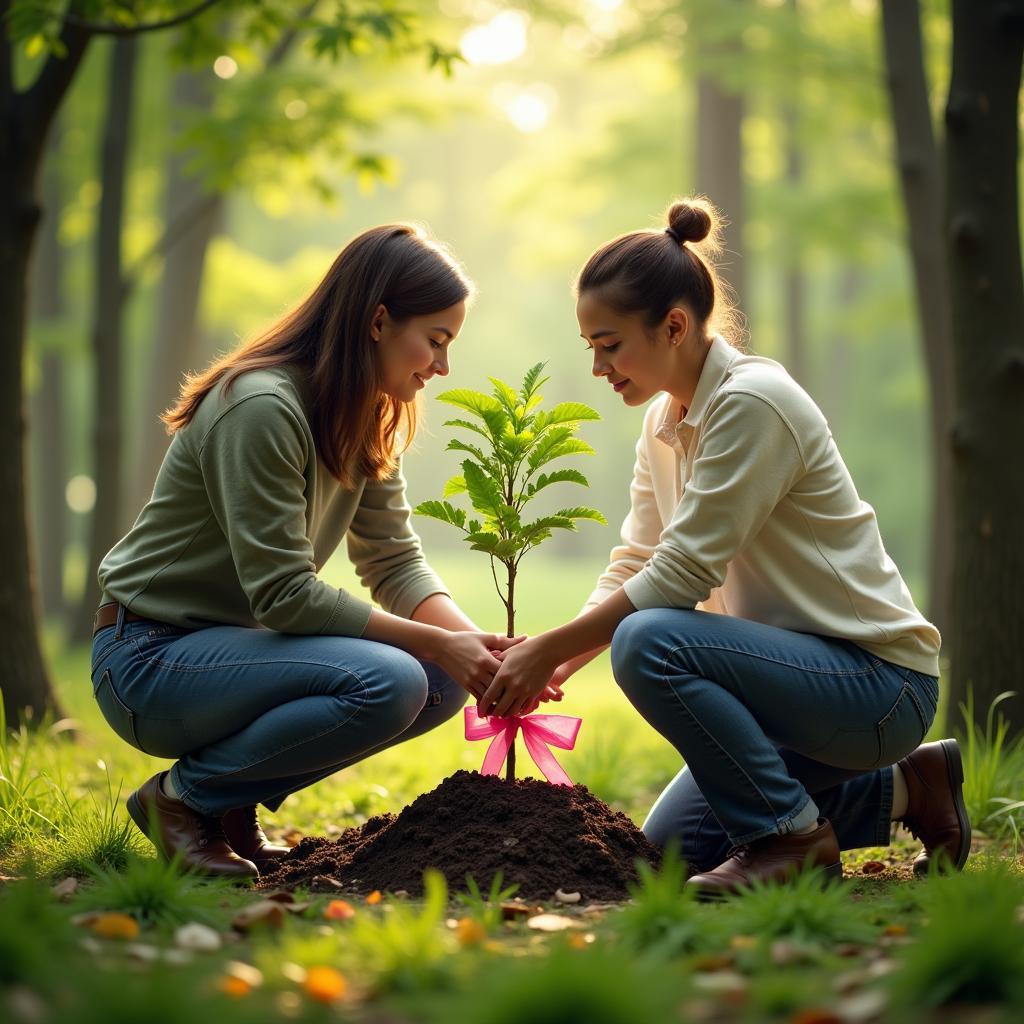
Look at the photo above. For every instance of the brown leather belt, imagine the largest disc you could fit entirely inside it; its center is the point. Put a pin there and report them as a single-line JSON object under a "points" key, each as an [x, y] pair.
{"points": [[106, 615]]}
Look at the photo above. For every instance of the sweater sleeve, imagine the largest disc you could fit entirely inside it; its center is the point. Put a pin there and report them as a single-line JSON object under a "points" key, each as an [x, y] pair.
{"points": [[640, 531], [386, 551], [746, 461], [253, 461]]}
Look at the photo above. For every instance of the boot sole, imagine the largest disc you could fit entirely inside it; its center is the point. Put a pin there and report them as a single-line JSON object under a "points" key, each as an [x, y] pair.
{"points": [[829, 874], [955, 774]]}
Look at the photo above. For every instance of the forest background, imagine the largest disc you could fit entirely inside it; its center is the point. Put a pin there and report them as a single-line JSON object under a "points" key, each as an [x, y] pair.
{"points": [[199, 180]]}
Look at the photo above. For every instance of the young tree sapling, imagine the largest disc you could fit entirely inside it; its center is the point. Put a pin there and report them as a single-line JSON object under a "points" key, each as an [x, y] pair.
{"points": [[502, 476]]}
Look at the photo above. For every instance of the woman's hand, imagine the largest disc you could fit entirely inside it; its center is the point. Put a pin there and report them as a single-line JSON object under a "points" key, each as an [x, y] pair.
{"points": [[469, 657], [525, 673]]}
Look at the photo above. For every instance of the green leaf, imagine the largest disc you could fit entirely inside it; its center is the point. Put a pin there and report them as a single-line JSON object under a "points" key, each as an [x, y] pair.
{"points": [[442, 510], [540, 529], [532, 383], [566, 446], [497, 421], [456, 485], [568, 476], [565, 412], [475, 427], [455, 445], [505, 395], [581, 512], [545, 443], [472, 401], [483, 491]]}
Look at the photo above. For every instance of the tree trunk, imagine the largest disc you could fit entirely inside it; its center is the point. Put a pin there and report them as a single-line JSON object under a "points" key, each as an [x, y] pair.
{"points": [[196, 214], [794, 291], [510, 760], [49, 460], [719, 175], [25, 119], [105, 526], [921, 174], [987, 299]]}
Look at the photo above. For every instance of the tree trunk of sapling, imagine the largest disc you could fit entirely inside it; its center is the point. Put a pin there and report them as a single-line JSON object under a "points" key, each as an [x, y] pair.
{"points": [[510, 760]]}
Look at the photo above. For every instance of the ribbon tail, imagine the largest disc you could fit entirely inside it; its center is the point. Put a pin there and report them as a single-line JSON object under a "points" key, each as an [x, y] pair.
{"points": [[498, 750], [545, 760]]}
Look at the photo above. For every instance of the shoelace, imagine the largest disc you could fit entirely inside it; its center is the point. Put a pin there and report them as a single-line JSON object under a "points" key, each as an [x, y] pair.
{"points": [[210, 830]]}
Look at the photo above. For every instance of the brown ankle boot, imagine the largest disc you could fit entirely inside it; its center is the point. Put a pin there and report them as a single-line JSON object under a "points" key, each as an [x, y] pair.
{"points": [[248, 840], [772, 859], [936, 814], [174, 828]]}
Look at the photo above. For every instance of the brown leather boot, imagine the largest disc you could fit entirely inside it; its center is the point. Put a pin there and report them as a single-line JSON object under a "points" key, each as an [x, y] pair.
{"points": [[248, 840], [174, 828], [936, 814], [772, 859]]}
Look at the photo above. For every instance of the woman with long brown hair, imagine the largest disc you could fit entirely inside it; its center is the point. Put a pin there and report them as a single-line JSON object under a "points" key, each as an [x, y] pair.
{"points": [[216, 642]]}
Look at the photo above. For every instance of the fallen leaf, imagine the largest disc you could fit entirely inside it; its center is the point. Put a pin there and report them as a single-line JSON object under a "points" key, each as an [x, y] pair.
{"points": [[552, 923], [339, 910], [324, 984], [66, 888], [374, 898], [742, 942], [784, 952], [872, 867], [252, 976], [324, 883], [722, 982], [713, 962], [115, 926], [863, 1006], [198, 937], [280, 896], [264, 914], [469, 932], [815, 1015], [511, 911], [895, 930], [234, 987], [142, 951], [292, 837]]}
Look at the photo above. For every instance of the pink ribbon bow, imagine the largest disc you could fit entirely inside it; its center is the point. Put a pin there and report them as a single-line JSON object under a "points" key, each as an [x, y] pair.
{"points": [[538, 731]]}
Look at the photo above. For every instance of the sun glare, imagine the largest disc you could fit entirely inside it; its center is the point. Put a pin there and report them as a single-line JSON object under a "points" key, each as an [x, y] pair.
{"points": [[498, 41]]}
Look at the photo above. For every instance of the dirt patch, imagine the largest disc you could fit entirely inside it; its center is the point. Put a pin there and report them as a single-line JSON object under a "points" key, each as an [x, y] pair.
{"points": [[540, 836]]}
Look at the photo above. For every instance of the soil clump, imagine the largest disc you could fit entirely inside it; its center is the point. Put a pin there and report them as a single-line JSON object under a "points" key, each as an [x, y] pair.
{"points": [[541, 836]]}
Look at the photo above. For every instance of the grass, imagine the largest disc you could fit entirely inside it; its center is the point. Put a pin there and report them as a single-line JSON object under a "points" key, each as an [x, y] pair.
{"points": [[768, 955]]}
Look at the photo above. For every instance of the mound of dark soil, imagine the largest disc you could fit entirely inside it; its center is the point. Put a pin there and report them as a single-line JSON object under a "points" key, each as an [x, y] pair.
{"points": [[541, 836]]}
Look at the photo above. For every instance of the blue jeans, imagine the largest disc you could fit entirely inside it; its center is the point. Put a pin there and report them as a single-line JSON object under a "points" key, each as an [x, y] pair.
{"points": [[776, 728], [253, 715]]}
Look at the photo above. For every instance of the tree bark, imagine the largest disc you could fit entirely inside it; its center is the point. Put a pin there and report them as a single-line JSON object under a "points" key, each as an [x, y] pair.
{"points": [[720, 175], [921, 182], [176, 347], [105, 525], [794, 290], [25, 119], [987, 299], [49, 457]]}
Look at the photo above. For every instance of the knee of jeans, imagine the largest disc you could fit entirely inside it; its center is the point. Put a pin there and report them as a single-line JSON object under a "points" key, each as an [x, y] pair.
{"points": [[630, 642]]}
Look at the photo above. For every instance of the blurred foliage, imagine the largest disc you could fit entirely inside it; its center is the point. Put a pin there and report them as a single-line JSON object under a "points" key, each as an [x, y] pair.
{"points": [[523, 167]]}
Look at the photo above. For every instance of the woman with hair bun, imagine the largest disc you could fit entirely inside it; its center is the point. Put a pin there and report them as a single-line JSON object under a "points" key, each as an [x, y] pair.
{"points": [[217, 643], [799, 708]]}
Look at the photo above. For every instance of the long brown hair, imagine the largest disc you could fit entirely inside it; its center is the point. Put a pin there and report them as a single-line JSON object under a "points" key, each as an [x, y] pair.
{"points": [[355, 425], [649, 272]]}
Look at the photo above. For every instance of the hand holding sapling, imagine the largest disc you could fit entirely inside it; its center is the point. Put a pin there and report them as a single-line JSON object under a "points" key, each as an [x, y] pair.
{"points": [[503, 475]]}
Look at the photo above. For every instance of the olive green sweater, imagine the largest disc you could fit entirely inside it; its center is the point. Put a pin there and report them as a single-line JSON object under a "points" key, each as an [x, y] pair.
{"points": [[244, 515]]}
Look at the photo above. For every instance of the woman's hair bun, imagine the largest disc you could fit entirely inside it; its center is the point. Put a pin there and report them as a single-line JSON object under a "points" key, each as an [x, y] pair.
{"points": [[690, 220]]}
